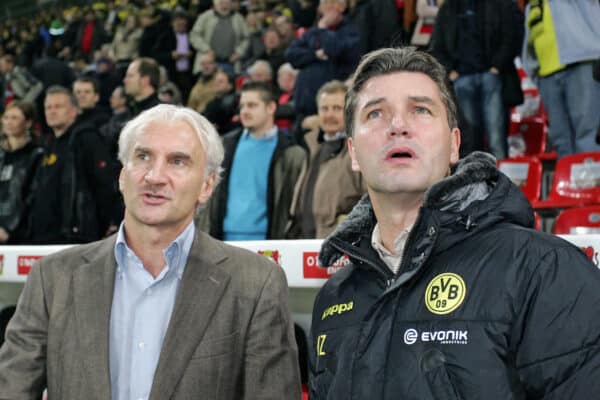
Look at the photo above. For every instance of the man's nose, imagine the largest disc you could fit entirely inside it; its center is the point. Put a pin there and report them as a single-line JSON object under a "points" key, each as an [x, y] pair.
{"points": [[398, 125], [155, 173]]}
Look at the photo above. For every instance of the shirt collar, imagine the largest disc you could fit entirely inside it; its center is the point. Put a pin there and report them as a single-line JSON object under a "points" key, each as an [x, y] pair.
{"points": [[175, 254], [399, 242], [337, 136], [270, 134]]}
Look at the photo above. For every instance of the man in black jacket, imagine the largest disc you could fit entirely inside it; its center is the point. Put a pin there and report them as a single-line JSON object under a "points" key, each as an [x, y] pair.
{"points": [[74, 199], [477, 41], [448, 293], [141, 82]]}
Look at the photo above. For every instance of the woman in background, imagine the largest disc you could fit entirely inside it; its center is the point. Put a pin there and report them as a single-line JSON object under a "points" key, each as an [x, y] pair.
{"points": [[19, 160]]}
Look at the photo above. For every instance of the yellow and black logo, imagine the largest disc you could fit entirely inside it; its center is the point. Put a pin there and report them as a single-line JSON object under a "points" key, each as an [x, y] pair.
{"points": [[445, 293], [320, 344], [337, 309]]}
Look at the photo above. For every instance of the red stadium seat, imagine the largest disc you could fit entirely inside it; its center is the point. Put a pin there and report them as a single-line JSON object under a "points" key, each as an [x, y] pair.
{"points": [[583, 220], [525, 172], [576, 182], [534, 132]]}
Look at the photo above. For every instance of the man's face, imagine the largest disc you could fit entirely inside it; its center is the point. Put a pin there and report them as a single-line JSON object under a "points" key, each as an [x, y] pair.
{"points": [[180, 25], [331, 112], [132, 80], [222, 7], [256, 115], [85, 94], [163, 179], [260, 73], [208, 64], [271, 39], [335, 7], [286, 80], [402, 142], [59, 111], [222, 84], [284, 26], [5, 66], [118, 99]]}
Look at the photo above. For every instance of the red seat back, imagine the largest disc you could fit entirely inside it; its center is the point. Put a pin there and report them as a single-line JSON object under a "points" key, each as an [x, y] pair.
{"points": [[525, 172], [582, 220], [577, 177]]}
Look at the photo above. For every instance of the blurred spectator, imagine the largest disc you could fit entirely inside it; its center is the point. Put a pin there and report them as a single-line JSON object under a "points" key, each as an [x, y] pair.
{"points": [[223, 107], [261, 71], [304, 12], [285, 28], [126, 42], [262, 166], [108, 79], [155, 22], [120, 115], [286, 80], [86, 91], [426, 13], [204, 90], [18, 83], [377, 22], [141, 82], [223, 31], [73, 199], [474, 42], [255, 39], [19, 161], [326, 52], [174, 52], [274, 52], [90, 36], [168, 92], [329, 188], [562, 40]]}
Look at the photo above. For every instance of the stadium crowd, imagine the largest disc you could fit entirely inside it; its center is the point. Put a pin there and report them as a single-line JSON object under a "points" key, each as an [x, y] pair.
{"points": [[270, 76]]}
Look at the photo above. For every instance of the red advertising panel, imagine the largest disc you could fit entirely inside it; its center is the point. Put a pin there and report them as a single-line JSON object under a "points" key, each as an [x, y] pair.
{"points": [[312, 268], [24, 264]]}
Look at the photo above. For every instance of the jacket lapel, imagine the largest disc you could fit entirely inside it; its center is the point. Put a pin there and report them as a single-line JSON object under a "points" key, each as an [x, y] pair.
{"points": [[93, 285], [202, 286]]}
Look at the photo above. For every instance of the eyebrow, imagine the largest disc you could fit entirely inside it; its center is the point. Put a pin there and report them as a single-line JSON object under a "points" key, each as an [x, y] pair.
{"points": [[423, 99], [373, 102]]}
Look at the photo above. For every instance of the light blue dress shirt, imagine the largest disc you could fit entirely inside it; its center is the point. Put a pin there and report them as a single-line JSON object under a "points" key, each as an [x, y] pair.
{"points": [[141, 309]]}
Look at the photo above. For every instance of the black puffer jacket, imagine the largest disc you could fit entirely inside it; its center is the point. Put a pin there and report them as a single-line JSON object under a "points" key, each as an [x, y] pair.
{"points": [[482, 308]]}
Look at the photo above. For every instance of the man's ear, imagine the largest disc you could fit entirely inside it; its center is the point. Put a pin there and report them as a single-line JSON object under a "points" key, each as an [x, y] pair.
{"points": [[454, 146], [355, 166], [208, 186]]}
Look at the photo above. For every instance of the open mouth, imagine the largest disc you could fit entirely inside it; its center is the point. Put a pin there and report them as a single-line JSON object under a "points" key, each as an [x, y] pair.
{"points": [[400, 154]]}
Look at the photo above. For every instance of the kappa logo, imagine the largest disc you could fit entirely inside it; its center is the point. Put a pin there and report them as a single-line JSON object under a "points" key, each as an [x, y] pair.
{"points": [[445, 293], [337, 309]]}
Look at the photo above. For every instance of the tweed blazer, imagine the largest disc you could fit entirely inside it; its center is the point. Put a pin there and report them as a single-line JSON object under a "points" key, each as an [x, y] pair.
{"points": [[230, 335]]}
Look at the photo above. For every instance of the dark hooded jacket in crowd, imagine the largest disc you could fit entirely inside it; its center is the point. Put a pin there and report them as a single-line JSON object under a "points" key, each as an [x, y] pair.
{"points": [[483, 306], [17, 169], [341, 47]]}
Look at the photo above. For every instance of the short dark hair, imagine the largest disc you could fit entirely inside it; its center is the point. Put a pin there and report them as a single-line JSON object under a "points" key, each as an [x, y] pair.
{"points": [[150, 68], [265, 90], [57, 89], [90, 80], [389, 60]]}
